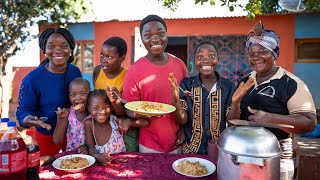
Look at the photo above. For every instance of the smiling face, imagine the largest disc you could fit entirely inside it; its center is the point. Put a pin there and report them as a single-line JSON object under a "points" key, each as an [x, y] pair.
{"points": [[57, 50], [78, 94], [154, 37], [261, 59], [206, 59], [109, 59], [99, 108]]}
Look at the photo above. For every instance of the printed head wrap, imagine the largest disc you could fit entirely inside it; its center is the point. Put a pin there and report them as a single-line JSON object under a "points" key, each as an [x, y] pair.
{"points": [[266, 38]]}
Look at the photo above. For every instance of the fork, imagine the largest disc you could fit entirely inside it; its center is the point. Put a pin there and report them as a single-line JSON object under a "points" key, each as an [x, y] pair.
{"points": [[185, 92], [121, 100]]}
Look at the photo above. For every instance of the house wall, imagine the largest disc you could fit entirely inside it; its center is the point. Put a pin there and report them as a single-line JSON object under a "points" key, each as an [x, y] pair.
{"points": [[282, 24], [82, 31], [307, 26], [20, 74]]}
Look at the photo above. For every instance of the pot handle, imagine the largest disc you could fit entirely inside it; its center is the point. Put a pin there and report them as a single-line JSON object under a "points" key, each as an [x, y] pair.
{"points": [[243, 159]]}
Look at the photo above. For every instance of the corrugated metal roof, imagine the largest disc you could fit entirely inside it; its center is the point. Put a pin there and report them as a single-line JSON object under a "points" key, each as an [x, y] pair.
{"points": [[204, 17]]}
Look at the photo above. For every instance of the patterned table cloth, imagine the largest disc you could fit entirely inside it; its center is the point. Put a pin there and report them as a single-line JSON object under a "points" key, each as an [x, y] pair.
{"points": [[138, 166]]}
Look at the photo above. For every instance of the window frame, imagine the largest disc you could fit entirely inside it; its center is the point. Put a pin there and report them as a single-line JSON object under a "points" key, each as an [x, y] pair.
{"points": [[82, 55], [301, 41]]}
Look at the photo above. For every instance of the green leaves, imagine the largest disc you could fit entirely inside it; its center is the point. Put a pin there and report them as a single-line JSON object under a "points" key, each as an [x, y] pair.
{"points": [[253, 7], [17, 15]]}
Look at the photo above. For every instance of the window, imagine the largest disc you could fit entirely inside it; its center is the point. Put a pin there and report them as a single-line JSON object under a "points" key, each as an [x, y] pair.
{"points": [[307, 50], [84, 56]]}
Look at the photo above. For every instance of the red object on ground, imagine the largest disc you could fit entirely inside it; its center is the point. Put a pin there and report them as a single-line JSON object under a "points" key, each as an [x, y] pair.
{"points": [[138, 166]]}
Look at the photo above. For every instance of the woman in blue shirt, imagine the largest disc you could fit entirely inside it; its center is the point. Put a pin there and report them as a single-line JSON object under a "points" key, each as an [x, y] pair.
{"points": [[45, 88]]}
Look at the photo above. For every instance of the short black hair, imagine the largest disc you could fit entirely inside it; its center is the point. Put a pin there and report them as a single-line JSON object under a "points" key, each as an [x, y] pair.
{"points": [[118, 43], [43, 39], [96, 93], [152, 17], [205, 42], [80, 80]]}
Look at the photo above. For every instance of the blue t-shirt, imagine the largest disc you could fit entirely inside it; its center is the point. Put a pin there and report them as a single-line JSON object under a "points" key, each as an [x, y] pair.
{"points": [[42, 92]]}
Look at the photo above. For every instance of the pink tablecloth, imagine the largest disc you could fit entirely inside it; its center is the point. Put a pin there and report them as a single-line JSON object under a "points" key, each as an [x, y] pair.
{"points": [[138, 166]]}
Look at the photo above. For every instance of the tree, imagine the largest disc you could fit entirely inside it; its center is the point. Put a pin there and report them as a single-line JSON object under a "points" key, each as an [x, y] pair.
{"points": [[253, 7], [17, 16]]}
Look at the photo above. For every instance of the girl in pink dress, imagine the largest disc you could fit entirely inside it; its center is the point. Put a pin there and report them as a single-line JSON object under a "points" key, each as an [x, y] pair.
{"points": [[102, 135], [72, 119]]}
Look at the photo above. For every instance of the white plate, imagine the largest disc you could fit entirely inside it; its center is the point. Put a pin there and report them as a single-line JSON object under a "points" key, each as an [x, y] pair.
{"points": [[132, 105], [209, 165], [56, 164]]}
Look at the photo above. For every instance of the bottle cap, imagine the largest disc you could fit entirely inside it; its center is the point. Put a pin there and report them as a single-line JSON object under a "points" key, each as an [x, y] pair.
{"points": [[29, 132], [11, 124], [4, 119]]}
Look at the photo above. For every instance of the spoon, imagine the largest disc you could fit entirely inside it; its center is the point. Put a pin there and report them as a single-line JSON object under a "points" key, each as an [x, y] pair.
{"points": [[43, 119]]}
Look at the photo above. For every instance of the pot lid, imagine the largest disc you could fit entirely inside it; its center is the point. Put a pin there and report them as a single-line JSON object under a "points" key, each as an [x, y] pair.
{"points": [[249, 141]]}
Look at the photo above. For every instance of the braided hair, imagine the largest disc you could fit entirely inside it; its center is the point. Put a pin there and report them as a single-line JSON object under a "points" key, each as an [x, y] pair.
{"points": [[43, 39], [152, 17], [96, 93], [118, 43]]}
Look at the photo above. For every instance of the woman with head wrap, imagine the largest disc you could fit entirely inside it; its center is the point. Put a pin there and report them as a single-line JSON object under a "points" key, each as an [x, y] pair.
{"points": [[275, 96], [45, 88]]}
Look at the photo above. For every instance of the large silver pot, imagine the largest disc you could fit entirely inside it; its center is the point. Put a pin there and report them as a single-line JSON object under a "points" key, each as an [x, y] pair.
{"points": [[248, 153]]}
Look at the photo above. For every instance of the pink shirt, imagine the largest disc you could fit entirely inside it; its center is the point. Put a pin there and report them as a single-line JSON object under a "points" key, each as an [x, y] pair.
{"points": [[145, 81], [75, 131]]}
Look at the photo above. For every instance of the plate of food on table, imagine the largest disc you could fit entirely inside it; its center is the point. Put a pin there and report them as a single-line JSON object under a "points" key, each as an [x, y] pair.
{"points": [[150, 108], [73, 163], [193, 167]]}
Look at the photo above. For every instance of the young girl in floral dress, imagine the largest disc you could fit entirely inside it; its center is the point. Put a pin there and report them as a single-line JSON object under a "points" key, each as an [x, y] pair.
{"points": [[72, 119], [102, 135]]}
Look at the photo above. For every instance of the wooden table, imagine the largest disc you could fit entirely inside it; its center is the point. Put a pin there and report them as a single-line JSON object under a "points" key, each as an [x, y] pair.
{"points": [[138, 166]]}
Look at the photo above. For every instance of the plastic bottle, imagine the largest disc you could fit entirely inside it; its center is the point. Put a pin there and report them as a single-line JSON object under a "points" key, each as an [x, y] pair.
{"points": [[3, 126], [13, 154], [33, 156]]}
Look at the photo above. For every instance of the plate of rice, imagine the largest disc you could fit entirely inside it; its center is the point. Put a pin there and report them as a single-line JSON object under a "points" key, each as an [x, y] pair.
{"points": [[150, 108], [73, 163], [193, 167]]}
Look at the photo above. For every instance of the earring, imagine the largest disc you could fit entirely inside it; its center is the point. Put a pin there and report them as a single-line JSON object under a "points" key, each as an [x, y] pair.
{"points": [[45, 55]]}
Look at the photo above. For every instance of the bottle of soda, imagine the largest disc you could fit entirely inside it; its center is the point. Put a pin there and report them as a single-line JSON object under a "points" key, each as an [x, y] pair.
{"points": [[13, 154], [3, 126], [33, 156]]}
